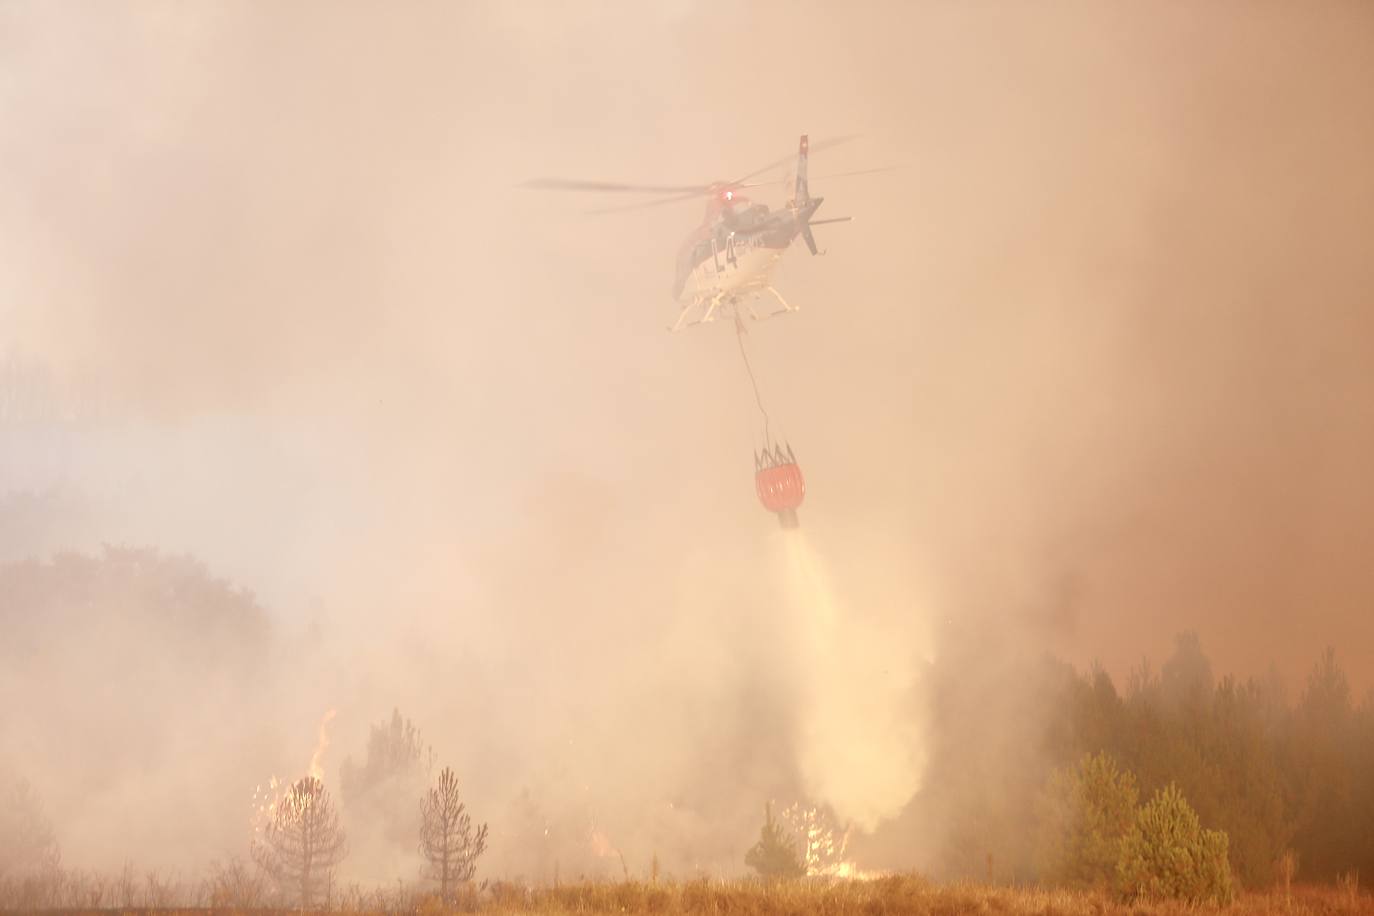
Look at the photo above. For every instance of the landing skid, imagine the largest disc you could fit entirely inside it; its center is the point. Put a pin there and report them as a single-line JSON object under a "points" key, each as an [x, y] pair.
{"points": [[710, 306], [783, 302], [731, 307]]}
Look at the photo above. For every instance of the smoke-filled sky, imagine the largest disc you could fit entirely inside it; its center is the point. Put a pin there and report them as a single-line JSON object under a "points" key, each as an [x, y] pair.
{"points": [[1091, 367]]}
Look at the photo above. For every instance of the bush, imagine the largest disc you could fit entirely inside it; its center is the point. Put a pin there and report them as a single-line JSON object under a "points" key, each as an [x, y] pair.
{"points": [[1092, 808], [1167, 855], [775, 854]]}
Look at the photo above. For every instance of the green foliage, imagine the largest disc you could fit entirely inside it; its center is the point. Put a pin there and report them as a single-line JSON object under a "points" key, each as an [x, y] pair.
{"points": [[775, 854], [1185, 680], [1167, 855], [1091, 808], [1270, 774], [1241, 782], [1329, 779]]}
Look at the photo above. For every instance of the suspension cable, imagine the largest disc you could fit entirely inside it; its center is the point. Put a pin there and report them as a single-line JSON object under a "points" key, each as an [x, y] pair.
{"points": [[758, 398]]}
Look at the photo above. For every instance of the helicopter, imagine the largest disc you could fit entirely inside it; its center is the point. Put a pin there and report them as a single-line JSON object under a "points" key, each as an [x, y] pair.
{"points": [[729, 259]]}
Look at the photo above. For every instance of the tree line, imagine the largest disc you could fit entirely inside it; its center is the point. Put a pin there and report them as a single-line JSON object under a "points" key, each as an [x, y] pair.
{"points": [[1276, 777], [1287, 777]]}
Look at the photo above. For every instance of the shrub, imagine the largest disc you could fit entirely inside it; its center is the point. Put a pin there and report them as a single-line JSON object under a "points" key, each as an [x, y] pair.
{"points": [[1092, 807], [775, 854], [1167, 855]]}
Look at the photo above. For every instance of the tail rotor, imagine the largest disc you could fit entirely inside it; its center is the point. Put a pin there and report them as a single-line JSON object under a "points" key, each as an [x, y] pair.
{"points": [[803, 204]]}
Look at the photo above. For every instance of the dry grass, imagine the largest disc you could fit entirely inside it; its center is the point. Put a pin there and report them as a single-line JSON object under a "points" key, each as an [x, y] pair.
{"points": [[881, 897]]}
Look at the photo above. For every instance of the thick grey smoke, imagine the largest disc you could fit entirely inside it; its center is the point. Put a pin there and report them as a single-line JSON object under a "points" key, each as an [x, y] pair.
{"points": [[1092, 367]]}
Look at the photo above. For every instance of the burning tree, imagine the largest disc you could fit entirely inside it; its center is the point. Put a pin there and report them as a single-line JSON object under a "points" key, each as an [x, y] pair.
{"points": [[302, 841], [447, 839], [819, 841]]}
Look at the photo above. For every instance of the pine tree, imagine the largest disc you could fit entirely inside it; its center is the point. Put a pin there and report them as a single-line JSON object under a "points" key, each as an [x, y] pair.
{"points": [[1167, 855], [1092, 807], [302, 842], [775, 854], [1323, 774], [378, 794], [448, 841]]}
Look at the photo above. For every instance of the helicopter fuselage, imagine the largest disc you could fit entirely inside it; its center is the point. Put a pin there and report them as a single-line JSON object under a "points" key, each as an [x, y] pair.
{"points": [[732, 256], [735, 250]]}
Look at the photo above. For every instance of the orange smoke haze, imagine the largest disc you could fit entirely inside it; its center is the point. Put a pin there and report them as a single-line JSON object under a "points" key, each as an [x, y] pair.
{"points": [[1094, 366]]}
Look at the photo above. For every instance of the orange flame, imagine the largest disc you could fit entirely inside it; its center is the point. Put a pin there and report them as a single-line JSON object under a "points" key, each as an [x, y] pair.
{"points": [[321, 744]]}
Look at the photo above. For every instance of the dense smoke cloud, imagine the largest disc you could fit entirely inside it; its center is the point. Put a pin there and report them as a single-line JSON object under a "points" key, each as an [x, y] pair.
{"points": [[1092, 367]]}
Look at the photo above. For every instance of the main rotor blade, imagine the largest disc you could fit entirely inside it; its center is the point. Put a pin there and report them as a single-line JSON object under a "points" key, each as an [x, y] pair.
{"points": [[738, 186], [764, 184], [647, 203], [573, 184], [885, 168], [565, 184], [815, 147]]}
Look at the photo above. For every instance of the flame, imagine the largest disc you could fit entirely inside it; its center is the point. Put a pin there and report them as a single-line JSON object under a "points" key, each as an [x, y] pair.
{"points": [[601, 846], [848, 871], [265, 802], [267, 799], [321, 744], [822, 844]]}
